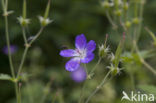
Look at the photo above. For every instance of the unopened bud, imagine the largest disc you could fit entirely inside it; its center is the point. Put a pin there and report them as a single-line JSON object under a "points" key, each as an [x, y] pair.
{"points": [[114, 70], [125, 6], [105, 4], [43, 21], [136, 20], [111, 57], [23, 22], [118, 12], [7, 13], [103, 51], [128, 24]]}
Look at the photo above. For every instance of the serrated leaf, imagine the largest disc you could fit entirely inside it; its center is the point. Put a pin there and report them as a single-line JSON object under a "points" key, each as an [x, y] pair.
{"points": [[148, 88], [5, 77]]}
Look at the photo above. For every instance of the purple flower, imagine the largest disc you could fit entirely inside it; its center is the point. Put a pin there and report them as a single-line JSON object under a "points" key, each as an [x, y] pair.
{"points": [[82, 54], [13, 49], [79, 75]]}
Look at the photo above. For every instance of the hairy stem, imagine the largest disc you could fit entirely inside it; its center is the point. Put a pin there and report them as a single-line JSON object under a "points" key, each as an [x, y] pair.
{"points": [[27, 46], [98, 87], [142, 60], [37, 35], [89, 76], [22, 61], [24, 35], [82, 93], [7, 39], [110, 19], [5, 6], [94, 68]]}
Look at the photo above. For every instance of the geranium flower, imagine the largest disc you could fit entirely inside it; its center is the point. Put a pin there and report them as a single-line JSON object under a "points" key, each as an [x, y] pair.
{"points": [[79, 75], [82, 54]]}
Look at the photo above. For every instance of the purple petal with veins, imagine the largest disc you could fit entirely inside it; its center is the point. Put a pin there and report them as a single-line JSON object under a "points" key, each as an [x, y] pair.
{"points": [[91, 45], [80, 42], [68, 53], [89, 57], [72, 64]]}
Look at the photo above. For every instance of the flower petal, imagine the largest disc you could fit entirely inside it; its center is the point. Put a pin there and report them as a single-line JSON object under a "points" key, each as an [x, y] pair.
{"points": [[68, 53], [91, 45], [88, 58], [80, 41], [72, 64], [79, 75]]}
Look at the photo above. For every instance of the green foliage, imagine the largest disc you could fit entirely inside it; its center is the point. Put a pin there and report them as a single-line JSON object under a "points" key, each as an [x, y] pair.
{"points": [[5, 77], [72, 17], [148, 88]]}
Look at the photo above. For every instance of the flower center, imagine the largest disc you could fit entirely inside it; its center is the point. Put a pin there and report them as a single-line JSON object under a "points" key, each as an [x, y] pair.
{"points": [[82, 53]]}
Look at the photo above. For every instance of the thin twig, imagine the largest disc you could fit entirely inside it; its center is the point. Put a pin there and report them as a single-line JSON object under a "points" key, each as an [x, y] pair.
{"points": [[94, 68], [98, 87], [24, 35], [149, 67], [26, 50], [110, 19]]}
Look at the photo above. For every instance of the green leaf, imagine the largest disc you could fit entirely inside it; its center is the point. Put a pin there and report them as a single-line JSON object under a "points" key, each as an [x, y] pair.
{"points": [[148, 88], [5, 77], [118, 53], [128, 57], [152, 35]]}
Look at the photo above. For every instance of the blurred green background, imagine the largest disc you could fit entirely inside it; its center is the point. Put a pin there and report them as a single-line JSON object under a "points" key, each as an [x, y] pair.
{"points": [[43, 63]]}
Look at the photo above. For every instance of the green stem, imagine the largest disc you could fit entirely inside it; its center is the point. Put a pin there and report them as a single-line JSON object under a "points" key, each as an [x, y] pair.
{"points": [[110, 19], [8, 45], [5, 6], [149, 67], [37, 35], [136, 9], [27, 46], [83, 88], [98, 87], [95, 66], [82, 92], [22, 61], [24, 35], [140, 22], [17, 92]]}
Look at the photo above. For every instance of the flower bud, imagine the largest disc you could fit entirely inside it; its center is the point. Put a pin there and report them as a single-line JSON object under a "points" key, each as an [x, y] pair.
{"points": [[125, 6], [103, 51], [128, 24], [112, 57], [105, 4], [118, 12], [23, 22], [44, 21], [136, 20], [114, 70]]}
